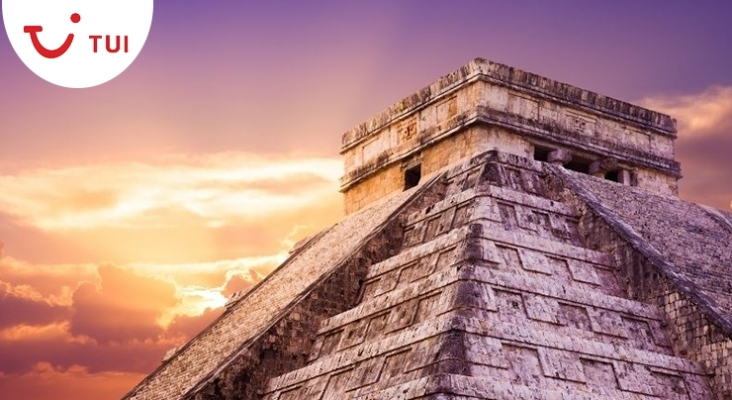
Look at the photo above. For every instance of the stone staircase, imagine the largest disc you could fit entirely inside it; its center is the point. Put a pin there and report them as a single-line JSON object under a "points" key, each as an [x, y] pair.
{"points": [[494, 296]]}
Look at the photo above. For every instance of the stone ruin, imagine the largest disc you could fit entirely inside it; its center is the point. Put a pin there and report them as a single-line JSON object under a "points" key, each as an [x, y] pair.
{"points": [[508, 237]]}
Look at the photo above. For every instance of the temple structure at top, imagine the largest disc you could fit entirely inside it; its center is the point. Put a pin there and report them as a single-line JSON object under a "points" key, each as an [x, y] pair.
{"points": [[488, 106]]}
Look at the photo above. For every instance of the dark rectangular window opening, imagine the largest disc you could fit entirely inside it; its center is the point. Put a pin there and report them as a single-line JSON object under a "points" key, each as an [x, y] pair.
{"points": [[541, 154], [613, 176], [579, 166], [412, 176]]}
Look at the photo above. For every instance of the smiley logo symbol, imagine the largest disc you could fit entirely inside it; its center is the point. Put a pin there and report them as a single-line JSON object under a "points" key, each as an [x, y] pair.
{"points": [[42, 50]]}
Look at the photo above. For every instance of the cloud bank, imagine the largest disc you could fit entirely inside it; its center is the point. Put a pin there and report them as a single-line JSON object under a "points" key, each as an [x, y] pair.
{"points": [[704, 143], [108, 266]]}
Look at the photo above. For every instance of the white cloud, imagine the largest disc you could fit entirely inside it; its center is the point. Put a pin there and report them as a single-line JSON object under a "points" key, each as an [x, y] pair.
{"points": [[700, 114]]}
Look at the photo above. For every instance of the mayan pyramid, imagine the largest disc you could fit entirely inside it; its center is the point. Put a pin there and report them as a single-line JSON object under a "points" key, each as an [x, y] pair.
{"points": [[508, 237]]}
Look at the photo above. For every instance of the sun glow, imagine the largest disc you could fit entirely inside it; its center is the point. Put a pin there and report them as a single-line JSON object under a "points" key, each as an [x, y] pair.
{"points": [[221, 189], [162, 244]]}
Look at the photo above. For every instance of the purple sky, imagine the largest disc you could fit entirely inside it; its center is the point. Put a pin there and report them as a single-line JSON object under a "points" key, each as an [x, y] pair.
{"points": [[283, 76]]}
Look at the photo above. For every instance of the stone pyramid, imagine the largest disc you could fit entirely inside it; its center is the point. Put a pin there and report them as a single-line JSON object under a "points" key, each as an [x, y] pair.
{"points": [[507, 237]]}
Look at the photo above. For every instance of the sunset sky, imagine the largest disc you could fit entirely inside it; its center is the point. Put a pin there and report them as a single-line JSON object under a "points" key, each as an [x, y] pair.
{"points": [[130, 211]]}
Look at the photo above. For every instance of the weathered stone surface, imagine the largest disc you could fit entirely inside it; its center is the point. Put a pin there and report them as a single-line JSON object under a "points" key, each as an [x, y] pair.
{"points": [[559, 157], [678, 255], [508, 272], [495, 106]]}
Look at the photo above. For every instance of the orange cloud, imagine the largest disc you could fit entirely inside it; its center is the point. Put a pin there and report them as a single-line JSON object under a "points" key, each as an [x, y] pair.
{"points": [[111, 324], [703, 144], [31, 333], [700, 114], [123, 307], [16, 310], [40, 293], [52, 284], [76, 383], [177, 209], [215, 190]]}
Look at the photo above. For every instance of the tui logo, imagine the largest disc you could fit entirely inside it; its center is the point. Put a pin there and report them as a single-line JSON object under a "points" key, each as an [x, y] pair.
{"points": [[33, 30], [53, 40]]}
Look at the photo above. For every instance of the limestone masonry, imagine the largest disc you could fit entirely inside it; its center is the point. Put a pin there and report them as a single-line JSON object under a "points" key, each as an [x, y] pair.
{"points": [[507, 237]]}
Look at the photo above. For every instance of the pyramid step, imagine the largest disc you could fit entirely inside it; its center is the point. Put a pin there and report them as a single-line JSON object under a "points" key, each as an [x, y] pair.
{"points": [[509, 251], [461, 387], [504, 297], [501, 280], [494, 280], [499, 236], [569, 348], [416, 263], [488, 347], [503, 206], [403, 341], [441, 206], [546, 246]]}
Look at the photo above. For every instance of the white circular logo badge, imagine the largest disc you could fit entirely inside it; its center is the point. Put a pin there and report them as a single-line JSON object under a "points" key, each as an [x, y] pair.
{"points": [[77, 43]]}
